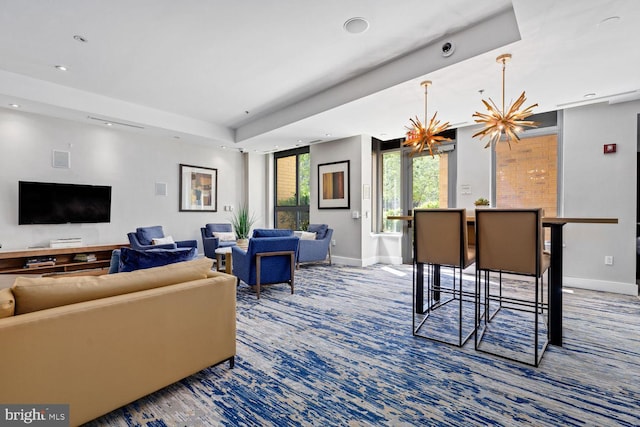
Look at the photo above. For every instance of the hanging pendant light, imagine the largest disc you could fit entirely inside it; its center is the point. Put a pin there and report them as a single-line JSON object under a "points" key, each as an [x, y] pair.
{"points": [[497, 122], [422, 136]]}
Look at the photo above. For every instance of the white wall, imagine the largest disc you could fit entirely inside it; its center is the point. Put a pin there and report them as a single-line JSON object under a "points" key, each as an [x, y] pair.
{"points": [[474, 168], [600, 185], [258, 187], [347, 232], [369, 242], [130, 162]]}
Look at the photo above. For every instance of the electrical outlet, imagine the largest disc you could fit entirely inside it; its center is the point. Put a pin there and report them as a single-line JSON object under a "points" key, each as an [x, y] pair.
{"points": [[608, 260], [333, 242]]}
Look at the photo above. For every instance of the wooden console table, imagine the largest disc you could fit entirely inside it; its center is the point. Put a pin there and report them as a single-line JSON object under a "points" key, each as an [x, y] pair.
{"points": [[14, 262]]}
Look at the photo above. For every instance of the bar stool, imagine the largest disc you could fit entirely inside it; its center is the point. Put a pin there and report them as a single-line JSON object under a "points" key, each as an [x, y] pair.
{"points": [[510, 241], [440, 240]]}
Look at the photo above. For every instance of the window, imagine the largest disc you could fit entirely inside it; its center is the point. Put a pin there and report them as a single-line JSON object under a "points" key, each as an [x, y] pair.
{"points": [[526, 175], [391, 190], [292, 175], [430, 181]]}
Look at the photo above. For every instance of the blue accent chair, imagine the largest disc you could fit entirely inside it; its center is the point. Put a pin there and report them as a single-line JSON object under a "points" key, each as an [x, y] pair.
{"points": [[271, 232], [210, 243], [267, 260], [318, 249], [142, 239]]}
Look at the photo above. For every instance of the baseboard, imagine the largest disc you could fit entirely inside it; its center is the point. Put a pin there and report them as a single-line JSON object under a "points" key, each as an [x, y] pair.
{"points": [[357, 262], [342, 260], [393, 260], [600, 285]]}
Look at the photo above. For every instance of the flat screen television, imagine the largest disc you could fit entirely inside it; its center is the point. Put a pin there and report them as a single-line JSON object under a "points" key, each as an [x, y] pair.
{"points": [[53, 203]]}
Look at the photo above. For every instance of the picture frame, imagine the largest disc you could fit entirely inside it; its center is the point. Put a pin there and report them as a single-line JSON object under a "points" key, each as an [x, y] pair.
{"points": [[334, 185], [198, 189]]}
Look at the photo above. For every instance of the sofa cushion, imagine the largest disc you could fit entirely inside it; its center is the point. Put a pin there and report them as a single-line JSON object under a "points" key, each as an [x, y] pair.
{"points": [[319, 229], [147, 234], [39, 293], [271, 232], [114, 264], [132, 259], [7, 303]]}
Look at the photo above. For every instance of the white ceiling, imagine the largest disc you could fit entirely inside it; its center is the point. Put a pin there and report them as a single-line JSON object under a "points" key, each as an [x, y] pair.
{"points": [[258, 74]]}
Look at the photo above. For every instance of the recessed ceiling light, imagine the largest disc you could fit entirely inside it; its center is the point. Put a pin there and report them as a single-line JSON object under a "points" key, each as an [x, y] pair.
{"points": [[589, 95], [299, 140], [224, 147], [80, 38], [356, 25], [108, 123], [61, 67], [327, 134], [14, 105]]}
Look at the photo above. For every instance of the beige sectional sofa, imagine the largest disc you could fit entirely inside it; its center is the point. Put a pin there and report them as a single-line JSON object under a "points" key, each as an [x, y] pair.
{"points": [[100, 342]]}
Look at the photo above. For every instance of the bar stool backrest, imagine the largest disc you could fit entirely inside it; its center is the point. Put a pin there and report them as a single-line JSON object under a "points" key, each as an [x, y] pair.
{"points": [[509, 240], [440, 237]]}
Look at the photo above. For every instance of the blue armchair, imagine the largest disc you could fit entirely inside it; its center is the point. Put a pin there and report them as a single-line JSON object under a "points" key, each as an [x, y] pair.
{"points": [[210, 242], [267, 260], [318, 249], [142, 239]]}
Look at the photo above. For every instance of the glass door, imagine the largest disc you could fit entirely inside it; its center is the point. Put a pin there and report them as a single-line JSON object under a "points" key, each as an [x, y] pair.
{"points": [[427, 181]]}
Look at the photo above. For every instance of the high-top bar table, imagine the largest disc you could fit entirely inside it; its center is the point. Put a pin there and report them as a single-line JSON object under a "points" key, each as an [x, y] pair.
{"points": [[555, 269]]}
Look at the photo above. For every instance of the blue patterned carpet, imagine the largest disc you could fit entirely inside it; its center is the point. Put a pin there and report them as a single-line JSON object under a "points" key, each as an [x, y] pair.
{"points": [[340, 352]]}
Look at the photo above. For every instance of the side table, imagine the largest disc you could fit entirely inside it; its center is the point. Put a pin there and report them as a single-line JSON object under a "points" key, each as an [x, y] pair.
{"points": [[228, 262]]}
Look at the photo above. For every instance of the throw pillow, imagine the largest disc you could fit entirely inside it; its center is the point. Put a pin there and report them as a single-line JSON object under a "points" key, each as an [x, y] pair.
{"points": [[7, 303], [162, 240], [307, 235], [225, 236], [131, 259]]}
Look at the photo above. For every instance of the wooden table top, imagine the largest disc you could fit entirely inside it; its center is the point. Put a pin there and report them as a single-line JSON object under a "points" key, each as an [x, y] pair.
{"points": [[546, 220]]}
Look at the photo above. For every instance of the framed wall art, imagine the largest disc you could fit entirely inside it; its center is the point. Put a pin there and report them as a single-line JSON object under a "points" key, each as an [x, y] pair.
{"points": [[198, 189], [333, 185]]}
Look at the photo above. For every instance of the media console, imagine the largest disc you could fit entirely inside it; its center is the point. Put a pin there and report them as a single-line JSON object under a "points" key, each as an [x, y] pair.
{"points": [[66, 259]]}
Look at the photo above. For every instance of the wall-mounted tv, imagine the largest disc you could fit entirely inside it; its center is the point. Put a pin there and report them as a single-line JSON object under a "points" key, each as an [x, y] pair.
{"points": [[53, 203]]}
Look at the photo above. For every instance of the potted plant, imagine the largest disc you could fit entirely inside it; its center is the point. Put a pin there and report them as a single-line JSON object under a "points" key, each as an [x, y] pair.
{"points": [[481, 202], [242, 222]]}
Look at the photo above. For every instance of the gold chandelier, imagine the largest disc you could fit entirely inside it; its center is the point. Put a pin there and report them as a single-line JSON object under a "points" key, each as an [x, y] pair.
{"points": [[498, 122], [418, 136]]}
